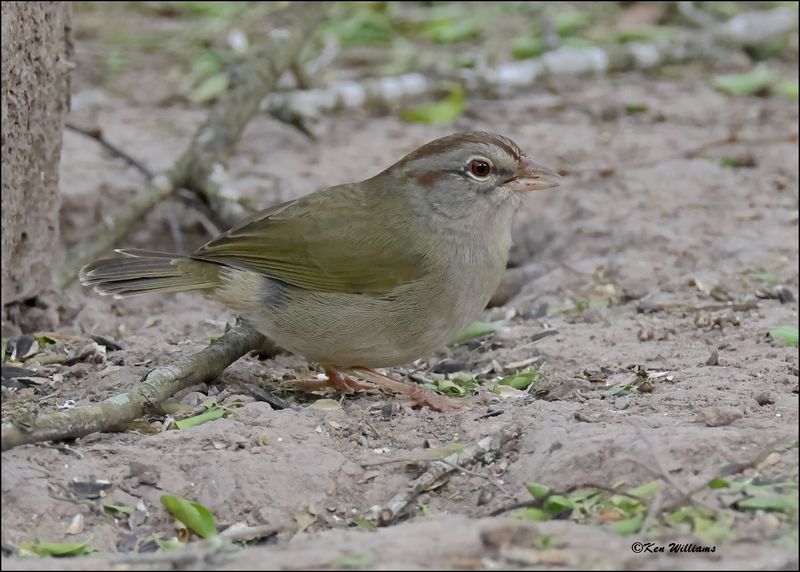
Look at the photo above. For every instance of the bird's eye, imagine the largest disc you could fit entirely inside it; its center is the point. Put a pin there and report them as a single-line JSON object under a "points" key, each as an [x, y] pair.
{"points": [[480, 168]]}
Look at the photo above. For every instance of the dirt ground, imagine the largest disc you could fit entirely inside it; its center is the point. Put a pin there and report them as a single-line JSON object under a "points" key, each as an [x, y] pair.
{"points": [[653, 262]]}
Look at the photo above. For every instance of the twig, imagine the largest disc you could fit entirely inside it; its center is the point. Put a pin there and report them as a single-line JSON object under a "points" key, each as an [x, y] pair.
{"points": [[681, 307], [212, 143], [653, 511], [97, 135], [260, 394], [438, 469], [175, 230], [250, 82], [249, 533], [157, 385]]}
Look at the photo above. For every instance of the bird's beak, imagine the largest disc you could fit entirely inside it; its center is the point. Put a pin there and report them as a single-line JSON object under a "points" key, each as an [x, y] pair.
{"points": [[532, 176]]}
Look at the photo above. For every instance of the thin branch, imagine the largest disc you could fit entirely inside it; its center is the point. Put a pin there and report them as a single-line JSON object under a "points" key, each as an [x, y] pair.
{"points": [[156, 386], [438, 469], [97, 135]]}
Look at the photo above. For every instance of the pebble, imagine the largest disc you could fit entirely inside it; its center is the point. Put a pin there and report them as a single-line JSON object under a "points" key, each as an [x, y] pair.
{"points": [[720, 415]]}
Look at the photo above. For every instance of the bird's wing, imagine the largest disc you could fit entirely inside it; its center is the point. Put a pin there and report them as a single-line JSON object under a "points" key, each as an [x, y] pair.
{"points": [[329, 241]]}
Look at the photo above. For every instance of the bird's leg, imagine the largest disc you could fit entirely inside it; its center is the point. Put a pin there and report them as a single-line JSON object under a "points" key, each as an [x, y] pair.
{"points": [[341, 382], [415, 392], [336, 379]]}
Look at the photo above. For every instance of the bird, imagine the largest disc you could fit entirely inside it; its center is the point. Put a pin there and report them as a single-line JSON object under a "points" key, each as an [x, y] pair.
{"points": [[364, 275]]}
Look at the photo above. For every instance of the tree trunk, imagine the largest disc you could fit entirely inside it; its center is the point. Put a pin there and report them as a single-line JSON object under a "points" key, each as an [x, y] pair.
{"points": [[35, 97]]}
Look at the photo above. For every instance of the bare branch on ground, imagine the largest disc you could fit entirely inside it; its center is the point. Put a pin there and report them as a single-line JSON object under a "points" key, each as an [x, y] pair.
{"points": [[156, 386]]}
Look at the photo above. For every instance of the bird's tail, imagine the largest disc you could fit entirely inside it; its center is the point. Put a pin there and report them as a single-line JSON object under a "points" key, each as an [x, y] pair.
{"points": [[143, 271]]}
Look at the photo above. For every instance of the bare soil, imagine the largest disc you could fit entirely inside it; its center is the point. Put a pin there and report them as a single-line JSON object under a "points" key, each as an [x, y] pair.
{"points": [[652, 261]]}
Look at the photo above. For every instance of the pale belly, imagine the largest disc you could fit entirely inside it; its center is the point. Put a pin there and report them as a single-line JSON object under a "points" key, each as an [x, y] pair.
{"points": [[358, 330]]}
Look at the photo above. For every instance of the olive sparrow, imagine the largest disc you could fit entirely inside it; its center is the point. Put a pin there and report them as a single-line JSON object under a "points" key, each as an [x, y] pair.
{"points": [[362, 275]]}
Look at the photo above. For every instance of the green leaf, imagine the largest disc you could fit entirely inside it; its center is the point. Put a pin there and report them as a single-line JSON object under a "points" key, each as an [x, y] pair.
{"points": [[627, 526], [45, 548], [364, 523], [634, 108], [451, 30], [712, 530], [195, 516], [616, 390], [555, 504], [738, 161], [208, 415], [475, 330], [531, 513], [114, 510], [425, 510], [787, 87], [116, 61], [583, 495], [744, 83], [625, 504], [568, 22], [44, 341], [520, 380], [646, 490], [448, 387], [785, 334], [353, 561], [169, 544], [210, 88], [765, 277], [524, 47], [538, 490], [771, 503], [364, 27], [718, 483], [444, 111]]}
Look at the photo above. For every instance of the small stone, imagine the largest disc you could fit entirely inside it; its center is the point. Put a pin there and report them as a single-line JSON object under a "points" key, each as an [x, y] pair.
{"points": [[486, 495], [77, 524], [646, 307], [785, 295], [764, 398], [194, 398], [622, 403], [720, 415], [645, 334], [713, 359]]}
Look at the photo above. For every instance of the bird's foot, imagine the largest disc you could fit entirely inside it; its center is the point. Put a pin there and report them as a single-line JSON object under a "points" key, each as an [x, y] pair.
{"points": [[336, 380], [419, 395]]}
